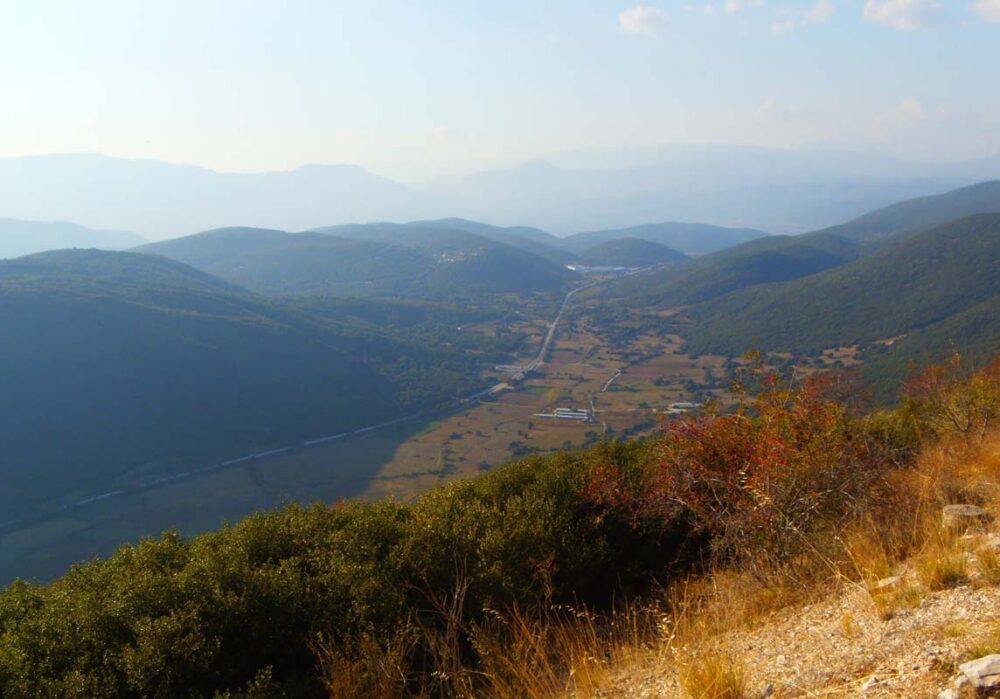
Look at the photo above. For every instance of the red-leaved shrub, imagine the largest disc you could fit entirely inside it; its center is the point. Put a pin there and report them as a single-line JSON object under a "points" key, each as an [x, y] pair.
{"points": [[760, 482]]}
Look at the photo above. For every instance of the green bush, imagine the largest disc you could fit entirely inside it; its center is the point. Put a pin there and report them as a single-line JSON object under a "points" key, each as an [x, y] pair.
{"points": [[239, 611]]}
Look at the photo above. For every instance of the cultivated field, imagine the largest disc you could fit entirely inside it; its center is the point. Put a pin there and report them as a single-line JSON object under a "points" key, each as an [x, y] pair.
{"points": [[628, 388]]}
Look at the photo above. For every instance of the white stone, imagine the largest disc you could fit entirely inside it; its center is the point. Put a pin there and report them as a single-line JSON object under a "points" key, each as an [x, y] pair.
{"points": [[870, 684], [886, 583], [948, 694], [963, 516], [983, 673]]}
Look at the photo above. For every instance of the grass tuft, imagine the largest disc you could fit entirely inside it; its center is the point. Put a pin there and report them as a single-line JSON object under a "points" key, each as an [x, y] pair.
{"points": [[713, 675]]}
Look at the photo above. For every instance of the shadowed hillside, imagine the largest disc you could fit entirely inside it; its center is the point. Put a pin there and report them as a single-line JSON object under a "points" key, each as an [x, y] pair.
{"points": [[119, 363]]}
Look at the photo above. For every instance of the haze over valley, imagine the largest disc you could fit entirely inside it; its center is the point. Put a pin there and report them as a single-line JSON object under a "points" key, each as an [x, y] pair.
{"points": [[472, 350]]}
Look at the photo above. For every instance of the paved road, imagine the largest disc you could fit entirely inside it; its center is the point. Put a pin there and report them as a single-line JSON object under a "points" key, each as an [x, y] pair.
{"points": [[553, 326], [611, 380]]}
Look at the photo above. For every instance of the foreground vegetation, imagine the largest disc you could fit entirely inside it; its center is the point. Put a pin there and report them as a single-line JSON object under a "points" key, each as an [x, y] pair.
{"points": [[505, 585]]}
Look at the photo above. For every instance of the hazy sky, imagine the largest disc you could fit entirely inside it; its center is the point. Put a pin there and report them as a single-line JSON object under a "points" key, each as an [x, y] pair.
{"points": [[415, 88]]}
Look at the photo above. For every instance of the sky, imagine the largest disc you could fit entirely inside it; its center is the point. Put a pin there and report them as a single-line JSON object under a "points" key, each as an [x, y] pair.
{"points": [[416, 89]]}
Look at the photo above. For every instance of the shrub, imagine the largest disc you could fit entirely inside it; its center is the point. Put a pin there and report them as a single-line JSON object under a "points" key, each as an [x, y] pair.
{"points": [[952, 398], [245, 609], [760, 482]]}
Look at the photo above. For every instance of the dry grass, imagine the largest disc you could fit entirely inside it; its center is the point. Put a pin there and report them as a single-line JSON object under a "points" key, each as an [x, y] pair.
{"points": [[989, 646], [572, 653], [373, 669], [940, 569], [713, 674], [989, 566], [953, 629], [905, 596], [562, 653]]}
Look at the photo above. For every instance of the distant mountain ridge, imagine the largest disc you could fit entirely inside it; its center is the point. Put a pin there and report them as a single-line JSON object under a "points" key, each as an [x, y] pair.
{"points": [[18, 238], [762, 188], [161, 200]]}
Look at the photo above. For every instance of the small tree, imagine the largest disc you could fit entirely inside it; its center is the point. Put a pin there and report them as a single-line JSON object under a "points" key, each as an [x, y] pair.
{"points": [[760, 481], [951, 397]]}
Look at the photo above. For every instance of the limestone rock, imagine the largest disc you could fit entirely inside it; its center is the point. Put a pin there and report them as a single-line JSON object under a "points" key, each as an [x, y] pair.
{"points": [[983, 673], [888, 583], [870, 684], [963, 517]]}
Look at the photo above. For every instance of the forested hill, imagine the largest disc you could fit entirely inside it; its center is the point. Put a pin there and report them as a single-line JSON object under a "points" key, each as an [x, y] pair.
{"points": [[920, 213], [527, 238], [688, 238], [785, 258], [383, 262], [925, 282], [631, 252], [121, 363], [770, 259]]}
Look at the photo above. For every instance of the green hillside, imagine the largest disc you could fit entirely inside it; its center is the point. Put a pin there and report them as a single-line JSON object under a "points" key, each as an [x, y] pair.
{"points": [[923, 212], [770, 259], [533, 240], [689, 238], [278, 263], [457, 264], [631, 252], [939, 285], [381, 261], [117, 364]]}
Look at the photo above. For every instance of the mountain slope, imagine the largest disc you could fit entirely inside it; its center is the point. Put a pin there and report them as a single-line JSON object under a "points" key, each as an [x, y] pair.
{"points": [[279, 263], [689, 238], [923, 212], [631, 252], [422, 263], [458, 262], [765, 260], [533, 240], [18, 238], [918, 283], [159, 200], [115, 365], [779, 190]]}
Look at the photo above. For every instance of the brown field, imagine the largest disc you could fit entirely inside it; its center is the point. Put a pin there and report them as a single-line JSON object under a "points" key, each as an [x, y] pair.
{"points": [[577, 372]]}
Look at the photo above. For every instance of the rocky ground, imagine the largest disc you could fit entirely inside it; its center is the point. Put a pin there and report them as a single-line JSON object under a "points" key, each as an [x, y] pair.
{"points": [[857, 643]]}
